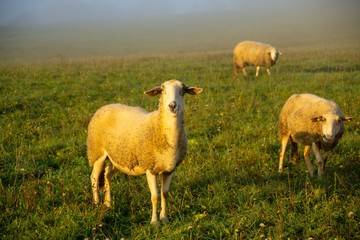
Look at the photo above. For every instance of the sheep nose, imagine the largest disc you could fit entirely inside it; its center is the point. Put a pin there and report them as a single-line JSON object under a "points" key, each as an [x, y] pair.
{"points": [[172, 105], [329, 137]]}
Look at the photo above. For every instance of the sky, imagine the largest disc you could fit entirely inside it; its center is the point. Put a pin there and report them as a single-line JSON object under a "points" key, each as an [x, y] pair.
{"points": [[65, 11]]}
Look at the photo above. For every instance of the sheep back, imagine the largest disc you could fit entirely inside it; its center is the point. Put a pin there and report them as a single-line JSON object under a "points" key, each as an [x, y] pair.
{"points": [[131, 136]]}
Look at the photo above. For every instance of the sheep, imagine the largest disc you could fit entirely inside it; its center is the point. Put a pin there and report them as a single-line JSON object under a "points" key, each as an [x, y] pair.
{"points": [[314, 122], [137, 142], [249, 53]]}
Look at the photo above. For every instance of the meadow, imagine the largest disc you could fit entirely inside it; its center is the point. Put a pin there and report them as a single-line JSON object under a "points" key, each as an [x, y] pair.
{"points": [[227, 188]]}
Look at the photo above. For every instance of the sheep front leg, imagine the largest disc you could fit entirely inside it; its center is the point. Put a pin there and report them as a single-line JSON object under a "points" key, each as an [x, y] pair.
{"points": [[268, 71], [325, 157], [244, 71], [257, 71], [151, 179], [319, 159], [236, 68], [95, 174], [308, 160], [165, 187]]}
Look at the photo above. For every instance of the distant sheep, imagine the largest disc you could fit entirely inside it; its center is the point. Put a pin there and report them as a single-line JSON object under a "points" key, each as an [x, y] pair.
{"points": [[314, 122], [249, 53], [138, 142]]}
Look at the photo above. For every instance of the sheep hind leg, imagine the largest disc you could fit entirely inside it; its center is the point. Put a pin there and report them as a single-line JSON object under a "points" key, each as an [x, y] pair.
{"points": [[308, 160], [151, 179], [98, 168], [294, 152], [165, 187], [109, 172], [284, 141]]}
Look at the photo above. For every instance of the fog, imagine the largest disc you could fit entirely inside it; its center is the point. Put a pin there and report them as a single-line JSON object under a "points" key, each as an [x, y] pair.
{"points": [[32, 12], [119, 27]]}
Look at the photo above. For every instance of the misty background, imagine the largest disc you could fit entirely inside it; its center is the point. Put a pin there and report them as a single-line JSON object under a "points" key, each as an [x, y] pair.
{"points": [[33, 29]]}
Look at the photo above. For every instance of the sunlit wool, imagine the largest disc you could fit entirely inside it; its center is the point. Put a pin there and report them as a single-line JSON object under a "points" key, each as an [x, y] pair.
{"points": [[138, 142], [314, 122], [249, 53]]}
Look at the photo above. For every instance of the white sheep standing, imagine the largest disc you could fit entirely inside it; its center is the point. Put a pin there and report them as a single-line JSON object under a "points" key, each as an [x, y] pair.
{"points": [[314, 122], [250, 53], [138, 142]]}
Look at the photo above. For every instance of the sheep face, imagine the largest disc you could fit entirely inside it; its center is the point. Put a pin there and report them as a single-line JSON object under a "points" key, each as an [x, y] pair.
{"points": [[173, 92], [331, 126], [274, 54]]}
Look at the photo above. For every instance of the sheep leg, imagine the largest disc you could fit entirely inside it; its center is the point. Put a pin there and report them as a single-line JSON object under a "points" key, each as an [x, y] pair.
{"points": [[109, 172], [319, 159], [151, 179], [244, 71], [165, 187], [97, 169], [308, 160], [325, 157], [294, 152], [284, 141], [268, 71], [236, 68], [257, 71]]}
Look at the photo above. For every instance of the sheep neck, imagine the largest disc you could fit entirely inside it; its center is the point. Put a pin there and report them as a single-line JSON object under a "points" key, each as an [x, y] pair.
{"points": [[169, 126]]}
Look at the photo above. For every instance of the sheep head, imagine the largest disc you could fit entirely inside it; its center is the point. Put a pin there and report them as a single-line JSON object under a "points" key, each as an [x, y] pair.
{"points": [[173, 92], [332, 124]]}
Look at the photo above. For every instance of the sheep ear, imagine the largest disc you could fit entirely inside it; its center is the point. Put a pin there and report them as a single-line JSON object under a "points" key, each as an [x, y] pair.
{"points": [[344, 119], [193, 90], [318, 119], [280, 53], [153, 92]]}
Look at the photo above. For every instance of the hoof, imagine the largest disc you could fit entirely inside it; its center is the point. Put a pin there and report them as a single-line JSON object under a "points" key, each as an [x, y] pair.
{"points": [[165, 220]]}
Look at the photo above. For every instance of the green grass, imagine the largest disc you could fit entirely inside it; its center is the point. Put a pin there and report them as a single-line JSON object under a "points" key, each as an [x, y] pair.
{"points": [[227, 188]]}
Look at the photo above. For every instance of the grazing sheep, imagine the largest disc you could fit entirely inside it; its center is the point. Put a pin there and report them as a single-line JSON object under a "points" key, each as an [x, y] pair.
{"points": [[314, 122], [138, 142], [249, 53]]}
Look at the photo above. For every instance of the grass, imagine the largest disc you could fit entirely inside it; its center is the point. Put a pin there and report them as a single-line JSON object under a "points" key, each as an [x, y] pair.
{"points": [[228, 187]]}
